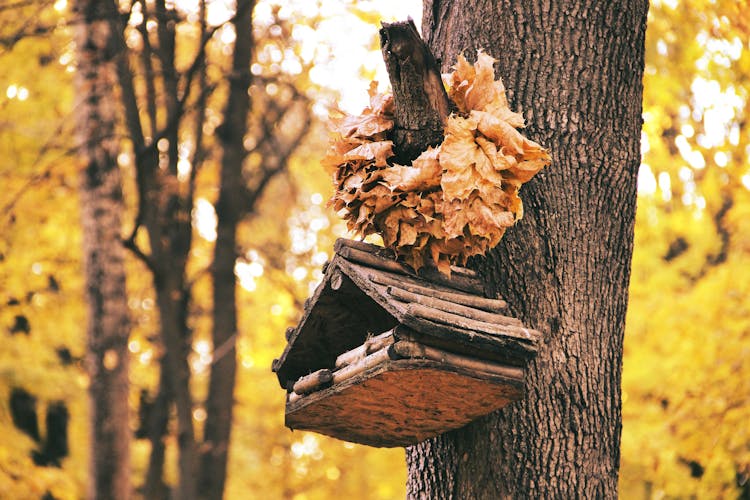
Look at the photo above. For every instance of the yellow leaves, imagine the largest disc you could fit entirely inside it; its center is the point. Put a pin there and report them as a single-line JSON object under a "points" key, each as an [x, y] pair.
{"points": [[455, 200]]}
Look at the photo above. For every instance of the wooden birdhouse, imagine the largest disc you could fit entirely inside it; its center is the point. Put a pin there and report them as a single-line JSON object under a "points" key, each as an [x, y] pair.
{"points": [[387, 357]]}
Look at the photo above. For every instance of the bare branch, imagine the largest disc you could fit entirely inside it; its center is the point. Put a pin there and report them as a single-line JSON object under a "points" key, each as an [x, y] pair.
{"points": [[148, 70], [131, 245], [198, 153]]}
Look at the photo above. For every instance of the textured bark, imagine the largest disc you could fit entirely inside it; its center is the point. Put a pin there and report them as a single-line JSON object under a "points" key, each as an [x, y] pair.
{"points": [[166, 217], [574, 70], [230, 209], [102, 205], [420, 102], [154, 487]]}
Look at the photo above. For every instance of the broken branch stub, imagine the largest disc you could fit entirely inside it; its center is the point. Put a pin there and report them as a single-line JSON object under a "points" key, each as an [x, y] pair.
{"points": [[420, 101]]}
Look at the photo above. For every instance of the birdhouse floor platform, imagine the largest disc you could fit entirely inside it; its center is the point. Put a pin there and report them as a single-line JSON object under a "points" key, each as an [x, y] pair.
{"points": [[387, 357]]}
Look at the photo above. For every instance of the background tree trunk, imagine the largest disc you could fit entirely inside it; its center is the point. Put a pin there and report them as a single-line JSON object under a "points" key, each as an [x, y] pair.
{"points": [[102, 207], [230, 209], [574, 70]]}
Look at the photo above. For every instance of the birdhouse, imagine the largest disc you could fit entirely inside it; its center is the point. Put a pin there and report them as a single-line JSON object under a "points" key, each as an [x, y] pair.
{"points": [[387, 357]]}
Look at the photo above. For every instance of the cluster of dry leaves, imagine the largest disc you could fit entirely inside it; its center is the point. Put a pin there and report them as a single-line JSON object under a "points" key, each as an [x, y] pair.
{"points": [[454, 200]]}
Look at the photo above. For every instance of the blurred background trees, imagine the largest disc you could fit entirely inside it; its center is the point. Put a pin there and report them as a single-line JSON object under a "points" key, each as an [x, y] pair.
{"points": [[686, 376]]}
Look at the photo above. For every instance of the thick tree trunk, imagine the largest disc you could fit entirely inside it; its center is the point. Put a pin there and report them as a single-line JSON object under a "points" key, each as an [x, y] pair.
{"points": [[574, 70], [102, 205], [230, 208]]}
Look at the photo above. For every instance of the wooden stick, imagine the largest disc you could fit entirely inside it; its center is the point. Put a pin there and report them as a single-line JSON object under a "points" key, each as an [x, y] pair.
{"points": [[314, 381], [388, 254], [457, 281], [372, 260], [363, 364], [469, 273], [377, 261], [407, 349], [420, 101], [370, 345], [483, 303], [337, 279], [503, 350], [365, 247], [451, 307], [447, 318]]}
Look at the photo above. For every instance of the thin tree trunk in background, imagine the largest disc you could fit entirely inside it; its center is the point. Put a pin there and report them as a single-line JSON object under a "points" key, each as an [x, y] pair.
{"points": [[230, 209], [154, 487], [574, 70], [102, 207]]}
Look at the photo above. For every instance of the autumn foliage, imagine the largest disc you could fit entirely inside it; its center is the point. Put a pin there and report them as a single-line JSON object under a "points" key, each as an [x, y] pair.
{"points": [[455, 200]]}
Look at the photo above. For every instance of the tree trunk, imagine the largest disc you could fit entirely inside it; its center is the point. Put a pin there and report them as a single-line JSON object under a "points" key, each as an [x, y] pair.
{"points": [[156, 425], [229, 210], [574, 70], [102, 205]]}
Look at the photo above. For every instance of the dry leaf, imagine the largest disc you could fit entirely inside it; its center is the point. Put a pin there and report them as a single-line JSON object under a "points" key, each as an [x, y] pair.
{"points": [[455, 200], [422, 175]]}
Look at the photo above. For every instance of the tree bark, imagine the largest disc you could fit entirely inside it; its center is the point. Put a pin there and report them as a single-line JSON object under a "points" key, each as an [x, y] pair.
{"points": [[420, 101], [230, 209], [102, 206], [574, 70]]}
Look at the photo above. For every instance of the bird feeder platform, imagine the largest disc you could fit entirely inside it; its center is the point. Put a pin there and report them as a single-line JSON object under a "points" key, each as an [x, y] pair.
{"points": [[387, 357]]}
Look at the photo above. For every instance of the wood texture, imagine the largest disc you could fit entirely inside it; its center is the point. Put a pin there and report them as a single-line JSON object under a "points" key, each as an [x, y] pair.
{"points": [[313, 381], [449, 318], [416, 399], [507, 350], [374, 261], [371, 345], [451, 307], [382, 258], [428, 289], [363, 365], [575, 71], [102, 207], [420, 102], [230, 209], [340, 320], [333, 321], [466, 365], [408, 349]]}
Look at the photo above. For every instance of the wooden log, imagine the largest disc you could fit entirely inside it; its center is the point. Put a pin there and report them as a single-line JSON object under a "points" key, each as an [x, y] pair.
{"points": [[364, 246], [374, 261], [378, 261], [337, 279], [388, 254], [483, 303], [505, 350], [451, 307], [457, 281], [370, 345], [420, 101], [314, 381], [409, 349], [469, 273], [363, 364], [447, 318]]}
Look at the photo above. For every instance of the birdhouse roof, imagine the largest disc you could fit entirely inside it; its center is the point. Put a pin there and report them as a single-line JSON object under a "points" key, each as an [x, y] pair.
{"points": [[365, 292]]}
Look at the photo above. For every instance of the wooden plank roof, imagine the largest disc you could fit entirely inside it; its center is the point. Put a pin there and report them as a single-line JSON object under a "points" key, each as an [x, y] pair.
{"points": [[365, 292]]}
